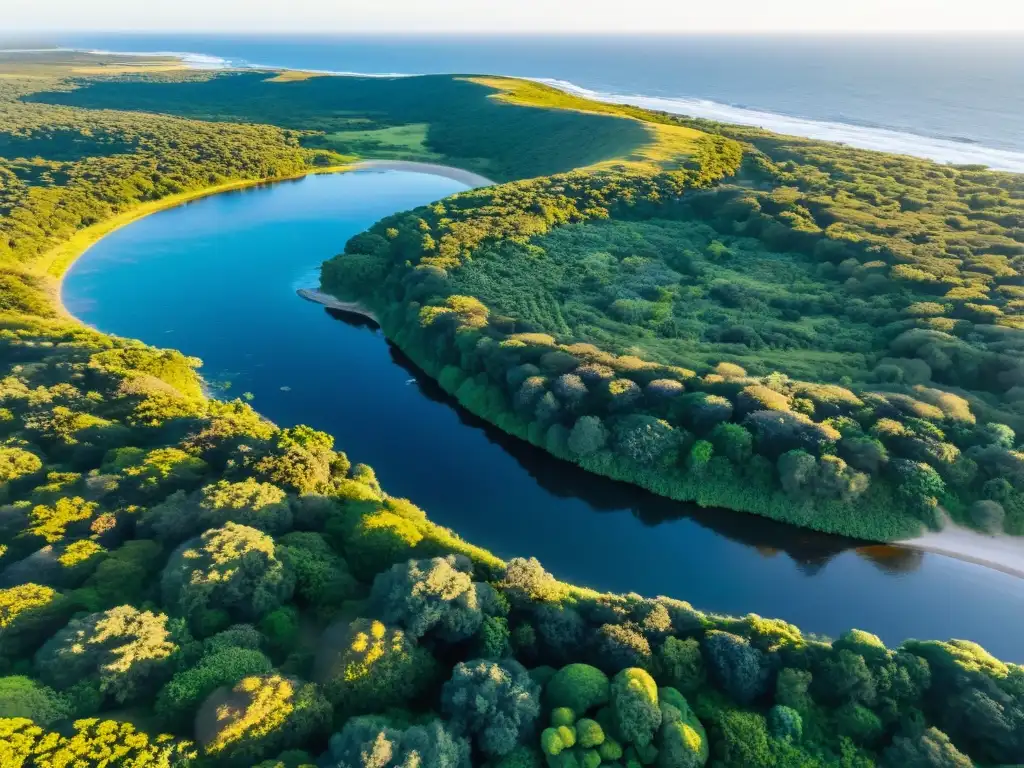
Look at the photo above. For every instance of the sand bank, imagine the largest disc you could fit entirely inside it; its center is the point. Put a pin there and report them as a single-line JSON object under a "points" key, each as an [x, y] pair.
{"points": [[1003, 553], [319, 297], [456, 174]]}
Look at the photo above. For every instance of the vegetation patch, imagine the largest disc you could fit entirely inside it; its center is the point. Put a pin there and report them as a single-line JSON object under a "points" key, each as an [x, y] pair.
{"points": [[832, 340], [183, 583]]}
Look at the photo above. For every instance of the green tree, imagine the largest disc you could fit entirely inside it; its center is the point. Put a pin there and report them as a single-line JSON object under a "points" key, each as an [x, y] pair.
{"points": [[261, 715], [580, 687], [371, 742], [126, 651], [495, 704], [588, 436], [234, 568], [931, 749], [736, 665], [22, 696], [634, 702], [367, 666], [435, 596], [681, 664], [188, 688]]}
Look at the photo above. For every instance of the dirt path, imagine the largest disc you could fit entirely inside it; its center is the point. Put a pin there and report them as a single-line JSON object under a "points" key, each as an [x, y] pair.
{"points": [[1003, 553], [457, 174]]}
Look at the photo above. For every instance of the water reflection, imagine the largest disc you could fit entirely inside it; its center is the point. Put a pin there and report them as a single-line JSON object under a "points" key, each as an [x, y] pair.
{"points": [[811, 551]]}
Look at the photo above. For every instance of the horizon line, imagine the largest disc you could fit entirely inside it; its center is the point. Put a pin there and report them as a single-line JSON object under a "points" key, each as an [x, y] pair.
{"points": [[523, 32]]}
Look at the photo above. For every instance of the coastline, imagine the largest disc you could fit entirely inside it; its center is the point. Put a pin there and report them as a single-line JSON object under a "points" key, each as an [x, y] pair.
{"points": [[877, 138], [325, 299], [56, 262]]}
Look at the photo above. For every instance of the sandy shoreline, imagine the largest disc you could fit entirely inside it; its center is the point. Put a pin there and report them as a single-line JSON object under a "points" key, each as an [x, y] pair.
{"points": [[1001, 553], [456, 174], [325, 299]]}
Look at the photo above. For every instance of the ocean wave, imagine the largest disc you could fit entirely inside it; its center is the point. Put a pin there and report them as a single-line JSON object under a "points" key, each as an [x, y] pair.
{"points": [[194, 60], [207, 61], [957, 150], [241, 64], [944, 150]]}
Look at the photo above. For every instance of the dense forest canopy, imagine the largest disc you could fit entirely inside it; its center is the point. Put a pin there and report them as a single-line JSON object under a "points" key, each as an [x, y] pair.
{"points": [[183, 583], [443, 116], [831, 336]]}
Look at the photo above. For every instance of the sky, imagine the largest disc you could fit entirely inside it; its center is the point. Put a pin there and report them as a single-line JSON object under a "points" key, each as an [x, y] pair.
{"points": [[513, 15]]}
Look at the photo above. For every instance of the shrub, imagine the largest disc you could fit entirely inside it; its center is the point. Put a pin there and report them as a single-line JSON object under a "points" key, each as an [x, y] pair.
{"points": [[261, 715], [791, 689], [233, 569], [588, 436], [16, 462], [681, 664], [496, 704], [520, 757], [108, 742], [931, 749], [29, 613], [380, 540], [249, 502], [561, 631], [322, 578], [493, 640], [988, 516], [859, 723], [617, 646], [741, 739], [188, 688], [682, 741], [562, 716], [634, 703], [525, 582], [732, 441], [367, 666], [437, 596], [646, 440], [589, 733], [785, 723], [24, 697], [736, 665], [127, 651], [580, 687], [370, 742], [622, 394]]}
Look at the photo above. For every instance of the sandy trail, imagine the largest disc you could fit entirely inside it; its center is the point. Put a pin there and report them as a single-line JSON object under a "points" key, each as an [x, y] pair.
{"points": [[1003, 553]]}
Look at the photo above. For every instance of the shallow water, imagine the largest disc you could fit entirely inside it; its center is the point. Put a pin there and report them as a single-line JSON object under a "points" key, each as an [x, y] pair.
{"points": [[216, 278]]}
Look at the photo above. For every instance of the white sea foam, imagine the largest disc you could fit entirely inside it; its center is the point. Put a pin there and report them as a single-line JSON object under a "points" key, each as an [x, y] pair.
{"points": [[332, 72], [193, 60], [864, 137]]}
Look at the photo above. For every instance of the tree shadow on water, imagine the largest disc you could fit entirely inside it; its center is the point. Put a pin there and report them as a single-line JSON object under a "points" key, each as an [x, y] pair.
{"points": [[810, 550]]}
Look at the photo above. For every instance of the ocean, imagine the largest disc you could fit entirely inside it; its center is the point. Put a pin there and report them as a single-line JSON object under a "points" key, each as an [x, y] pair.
{"points": [[951, 99]]}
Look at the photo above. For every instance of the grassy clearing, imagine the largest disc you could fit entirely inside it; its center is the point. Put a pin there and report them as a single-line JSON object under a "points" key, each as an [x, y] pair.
{"points": [[294, 76], [399, 142]]}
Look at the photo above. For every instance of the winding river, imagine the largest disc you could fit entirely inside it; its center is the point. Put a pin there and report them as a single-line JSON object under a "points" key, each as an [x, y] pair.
{"points": [[216, 278]]}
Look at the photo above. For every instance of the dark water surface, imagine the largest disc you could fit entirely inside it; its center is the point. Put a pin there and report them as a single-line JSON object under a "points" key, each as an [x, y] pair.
{"points": [[216, 279]]}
